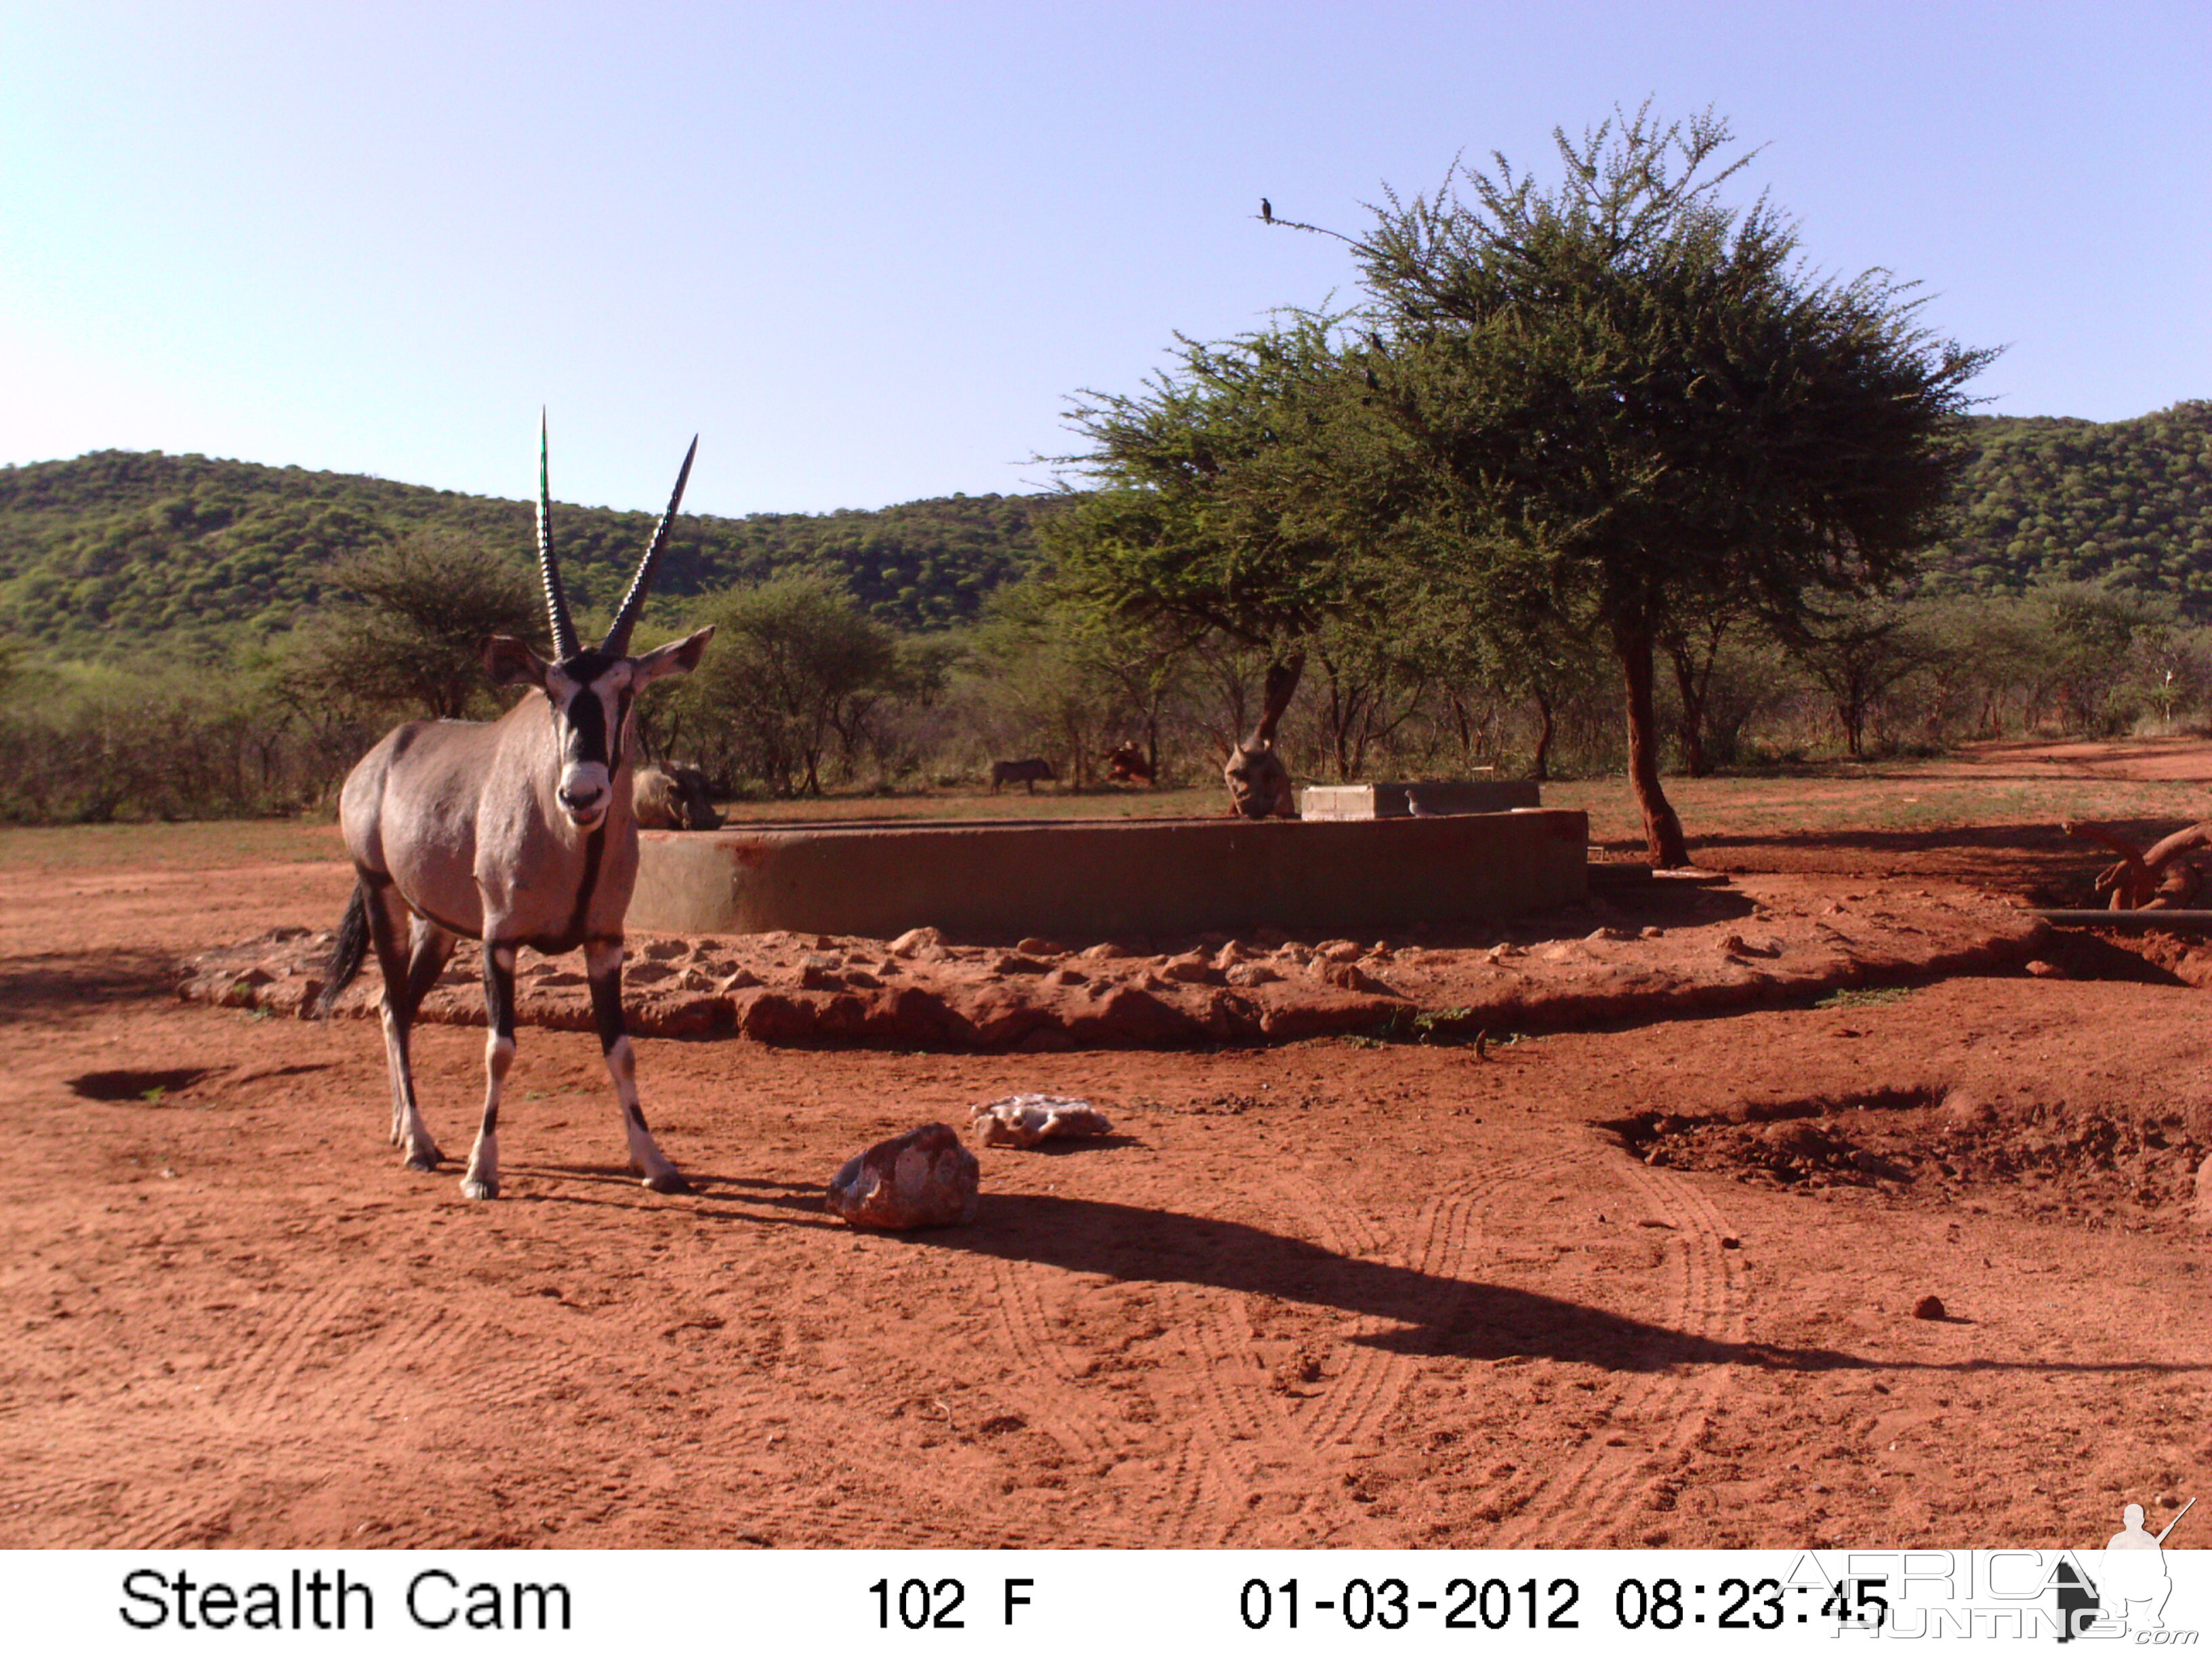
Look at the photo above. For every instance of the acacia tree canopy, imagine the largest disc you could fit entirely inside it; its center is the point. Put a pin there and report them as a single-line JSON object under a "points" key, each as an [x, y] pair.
{"points": [[791, 657], [1213, 511], [1635, 391], [413, 641]]}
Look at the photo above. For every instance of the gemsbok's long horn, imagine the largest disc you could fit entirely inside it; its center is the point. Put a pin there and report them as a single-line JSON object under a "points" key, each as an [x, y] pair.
{"points": [[617, 640], [556, 602]]}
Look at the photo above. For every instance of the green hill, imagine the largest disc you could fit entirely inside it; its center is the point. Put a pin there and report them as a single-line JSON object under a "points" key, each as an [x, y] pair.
{"points": [[116, 550], [2081, 501]]}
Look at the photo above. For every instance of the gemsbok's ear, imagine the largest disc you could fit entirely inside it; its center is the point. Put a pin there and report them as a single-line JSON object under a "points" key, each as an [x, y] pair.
{"points": [[508, 661], [677, 657]]}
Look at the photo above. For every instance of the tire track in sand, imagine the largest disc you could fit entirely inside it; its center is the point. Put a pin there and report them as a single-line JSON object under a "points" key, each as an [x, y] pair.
{"points": [[1262, 1440], [1590, 1501], [231, 1410], [249, 1392], [266, 1403], [1442, 1243], [1053, 1402]]}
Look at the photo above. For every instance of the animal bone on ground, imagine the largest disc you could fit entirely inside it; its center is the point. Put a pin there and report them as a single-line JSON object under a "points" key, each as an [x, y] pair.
{"points": [[1025, 1120]]}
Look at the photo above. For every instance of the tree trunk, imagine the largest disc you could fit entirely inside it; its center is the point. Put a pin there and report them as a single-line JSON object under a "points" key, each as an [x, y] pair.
{"points": [[1343, 705], [1079, 745], [1853, 718], [1542, 769], [1851, 701], [1282, 685], [1692, 688], [1464, 727], [1663, 830]]}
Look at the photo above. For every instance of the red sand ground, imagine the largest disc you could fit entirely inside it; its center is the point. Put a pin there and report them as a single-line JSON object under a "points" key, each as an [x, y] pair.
{"points": [[1647, 1284]]}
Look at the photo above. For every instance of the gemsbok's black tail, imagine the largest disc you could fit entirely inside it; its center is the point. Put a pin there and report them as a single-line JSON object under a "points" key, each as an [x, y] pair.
{"points": [[348, 952]]}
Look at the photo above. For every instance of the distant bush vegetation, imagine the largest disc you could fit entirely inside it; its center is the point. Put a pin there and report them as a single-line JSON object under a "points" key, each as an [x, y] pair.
{"points": [[115, 552], [910, 647], [2129, 502]]}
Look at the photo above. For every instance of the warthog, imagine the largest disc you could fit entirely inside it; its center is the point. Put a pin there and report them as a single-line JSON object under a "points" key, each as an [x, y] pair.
{"points": [[1259, 783], [1022, 771], [676, 798]]}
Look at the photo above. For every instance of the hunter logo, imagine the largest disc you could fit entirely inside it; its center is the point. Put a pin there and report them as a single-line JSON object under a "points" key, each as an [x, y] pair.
{"points": [[2125, 1589]]}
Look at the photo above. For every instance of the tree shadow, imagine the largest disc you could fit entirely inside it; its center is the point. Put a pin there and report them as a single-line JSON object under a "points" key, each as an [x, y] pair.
{"points": [[1985, 853], [1664, 903], [57, 988], [149, 1087], [2084, 956], [1436, 1315], [703, 1184]]}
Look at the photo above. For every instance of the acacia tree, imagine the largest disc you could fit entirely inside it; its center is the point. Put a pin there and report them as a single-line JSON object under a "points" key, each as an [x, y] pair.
{"points": [[1692, 639], [1211, 514], [790, 658], [1041, 684], [1633, 393], [1147, 661], [1858, 649], [413, 638], [1372, 683]]}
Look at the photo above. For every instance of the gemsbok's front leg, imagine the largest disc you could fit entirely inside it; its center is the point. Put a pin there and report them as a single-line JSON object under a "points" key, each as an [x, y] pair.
{"points": [[482, 1179], [603, 964]]}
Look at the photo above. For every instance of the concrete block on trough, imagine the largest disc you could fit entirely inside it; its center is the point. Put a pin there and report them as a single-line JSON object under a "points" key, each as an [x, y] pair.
{"points": [[1416, 800]]}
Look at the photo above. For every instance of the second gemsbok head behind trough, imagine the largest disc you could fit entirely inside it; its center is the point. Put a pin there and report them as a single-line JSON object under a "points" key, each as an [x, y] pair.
{"points": [[519, 832]]}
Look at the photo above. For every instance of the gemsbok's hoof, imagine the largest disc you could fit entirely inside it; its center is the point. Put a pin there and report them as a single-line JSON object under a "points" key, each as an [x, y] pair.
{"points": [[671, 1182], [476, 1187], [426, 1158]]}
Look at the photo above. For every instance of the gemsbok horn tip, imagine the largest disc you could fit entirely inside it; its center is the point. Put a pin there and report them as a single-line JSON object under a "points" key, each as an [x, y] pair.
{"points": [[617, 640], [549, 572]]}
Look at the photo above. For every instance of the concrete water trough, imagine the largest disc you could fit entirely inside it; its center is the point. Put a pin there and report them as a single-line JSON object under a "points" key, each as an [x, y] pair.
{"points": [[1074, 881]]}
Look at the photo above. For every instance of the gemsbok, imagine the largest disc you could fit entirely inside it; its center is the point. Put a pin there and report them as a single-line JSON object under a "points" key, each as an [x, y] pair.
{"points": [[519, 832]]}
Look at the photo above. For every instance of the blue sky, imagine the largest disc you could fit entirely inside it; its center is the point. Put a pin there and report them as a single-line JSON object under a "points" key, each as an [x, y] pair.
{"points": [[867, 250]]}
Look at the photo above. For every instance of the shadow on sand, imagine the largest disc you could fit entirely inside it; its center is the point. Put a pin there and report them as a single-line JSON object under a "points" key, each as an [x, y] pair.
{"points": [[1437, 1315]]}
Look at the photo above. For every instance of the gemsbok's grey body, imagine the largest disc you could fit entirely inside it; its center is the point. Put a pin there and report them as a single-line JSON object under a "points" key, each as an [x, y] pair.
{"points": [[517, 832]]}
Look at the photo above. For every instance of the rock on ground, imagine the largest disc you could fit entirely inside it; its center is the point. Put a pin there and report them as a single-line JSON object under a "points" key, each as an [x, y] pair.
{"points": [[923, 1178]]}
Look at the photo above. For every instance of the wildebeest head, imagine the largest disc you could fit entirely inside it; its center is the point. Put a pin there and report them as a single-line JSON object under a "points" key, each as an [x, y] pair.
{"points": [[590, 689]]}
